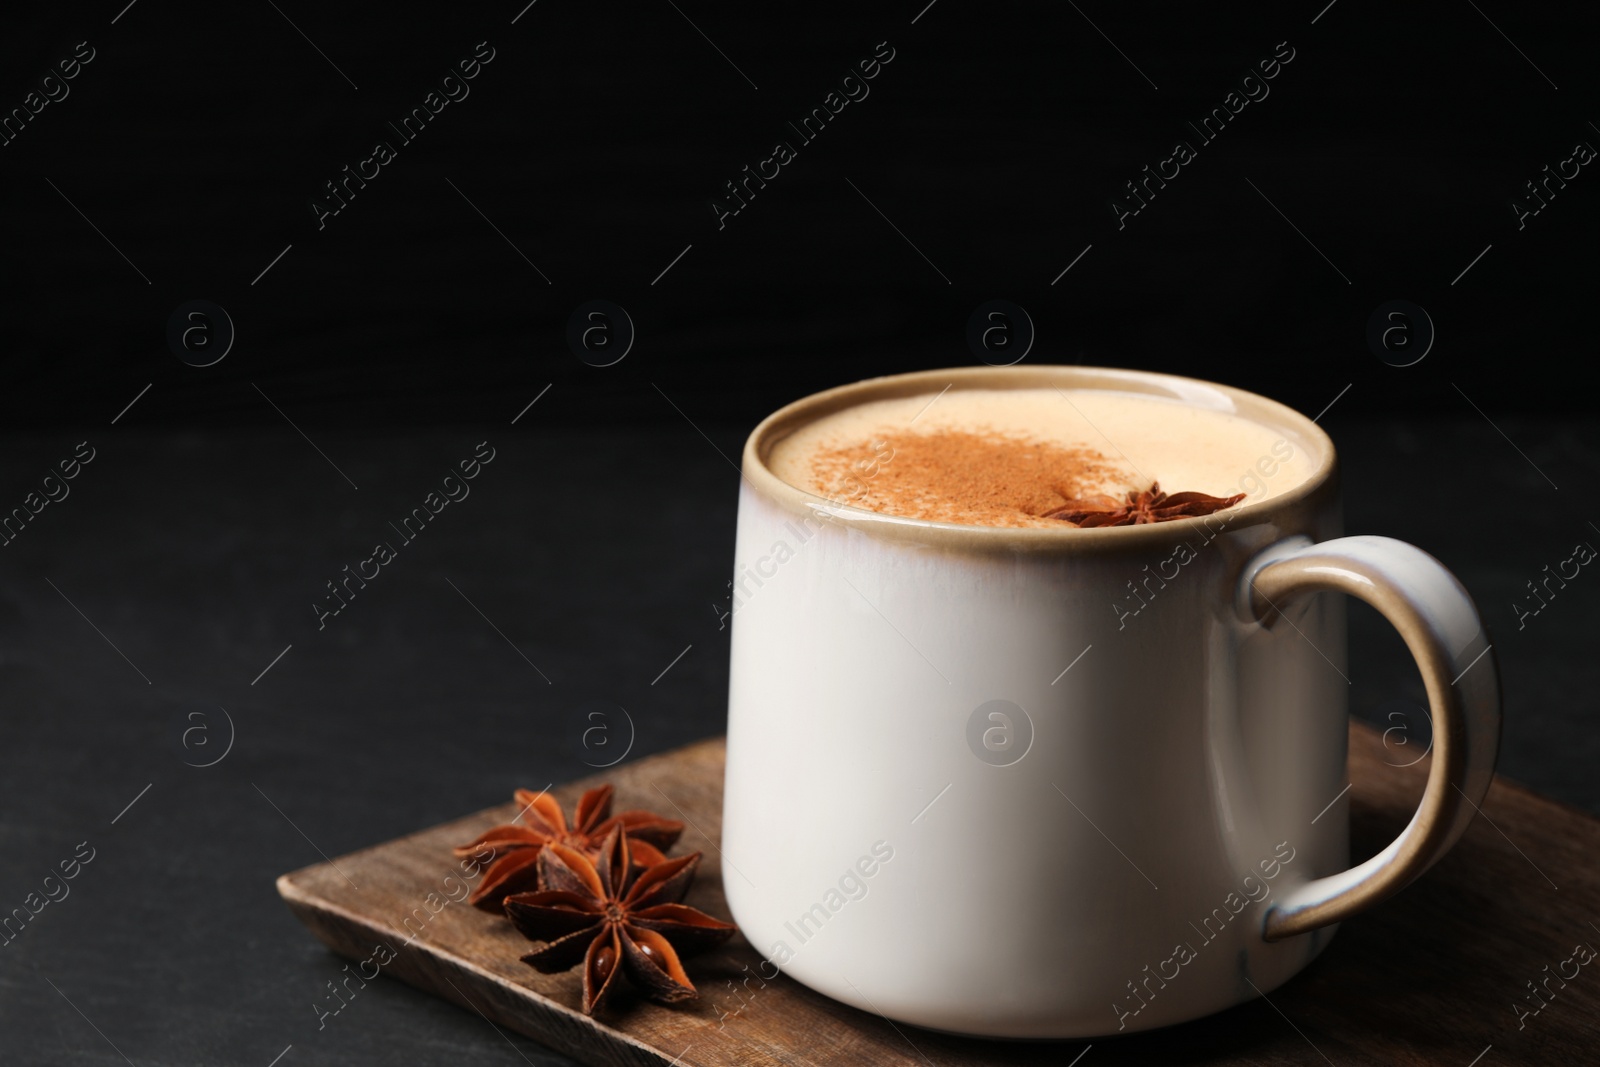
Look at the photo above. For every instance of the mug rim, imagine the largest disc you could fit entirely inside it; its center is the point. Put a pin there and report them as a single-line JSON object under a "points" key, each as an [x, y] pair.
{"points": [[1242, 402]]}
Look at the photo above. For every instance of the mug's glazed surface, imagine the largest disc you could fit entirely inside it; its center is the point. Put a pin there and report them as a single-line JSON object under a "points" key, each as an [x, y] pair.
{"points": [[1030, 782]]}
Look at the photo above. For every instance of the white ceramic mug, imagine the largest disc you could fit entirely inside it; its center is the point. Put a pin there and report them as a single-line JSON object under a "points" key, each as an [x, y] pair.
{"points": [[961, 795]]}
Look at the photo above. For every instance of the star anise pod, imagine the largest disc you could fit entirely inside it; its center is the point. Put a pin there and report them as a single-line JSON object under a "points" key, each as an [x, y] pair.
{"points": [[615, 917], [540, 823], [1152, 505]]}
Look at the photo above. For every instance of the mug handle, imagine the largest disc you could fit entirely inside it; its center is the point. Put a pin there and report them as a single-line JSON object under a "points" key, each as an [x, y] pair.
{"points": [[1443, 630]]}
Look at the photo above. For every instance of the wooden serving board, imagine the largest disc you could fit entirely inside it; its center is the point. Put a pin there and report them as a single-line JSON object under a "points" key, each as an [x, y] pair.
{"points": [[1430, 977]]}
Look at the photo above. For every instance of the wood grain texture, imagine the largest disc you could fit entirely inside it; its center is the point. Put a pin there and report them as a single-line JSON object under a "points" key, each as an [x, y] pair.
{"points": [[1430, 977]]}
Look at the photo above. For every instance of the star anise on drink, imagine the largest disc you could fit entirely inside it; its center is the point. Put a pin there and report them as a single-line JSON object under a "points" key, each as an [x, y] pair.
{"points": [[1152, 505], [615, 918], [518, 844]]}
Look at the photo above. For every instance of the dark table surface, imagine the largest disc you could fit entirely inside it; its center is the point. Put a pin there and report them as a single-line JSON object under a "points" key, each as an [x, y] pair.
{"points": [[139, 613]]}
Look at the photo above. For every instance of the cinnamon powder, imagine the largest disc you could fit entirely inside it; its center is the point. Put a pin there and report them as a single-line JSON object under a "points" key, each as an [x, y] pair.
{"points": [[974, 478]]}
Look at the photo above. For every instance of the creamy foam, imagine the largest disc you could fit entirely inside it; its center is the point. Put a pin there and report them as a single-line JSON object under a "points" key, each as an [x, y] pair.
{"points": [[1006, 457]]}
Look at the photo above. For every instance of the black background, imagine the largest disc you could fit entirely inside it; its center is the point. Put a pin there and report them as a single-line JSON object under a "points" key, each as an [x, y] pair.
{"points": [[415, 324]]}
